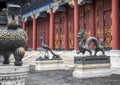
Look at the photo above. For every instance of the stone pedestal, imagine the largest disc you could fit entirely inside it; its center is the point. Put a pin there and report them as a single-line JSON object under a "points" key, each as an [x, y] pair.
{"points": [[13, 75], [115, 61], [92, 66], [49, 65]]}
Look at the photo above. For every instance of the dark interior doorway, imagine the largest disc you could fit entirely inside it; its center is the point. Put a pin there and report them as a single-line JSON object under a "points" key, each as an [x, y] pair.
{"points": [[2, 5]]}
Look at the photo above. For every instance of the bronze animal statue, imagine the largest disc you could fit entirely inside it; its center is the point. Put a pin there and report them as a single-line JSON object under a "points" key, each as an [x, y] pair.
{"points": [[12, 37], [47, 50], [83, 48]]}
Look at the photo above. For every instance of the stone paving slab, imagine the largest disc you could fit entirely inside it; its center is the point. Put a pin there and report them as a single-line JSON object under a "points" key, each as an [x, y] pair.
{"points": [[64, 77]]}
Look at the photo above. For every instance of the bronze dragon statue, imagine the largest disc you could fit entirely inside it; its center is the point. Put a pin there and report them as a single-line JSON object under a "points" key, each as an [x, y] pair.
{"points": [[83, 48], [12, 37]]}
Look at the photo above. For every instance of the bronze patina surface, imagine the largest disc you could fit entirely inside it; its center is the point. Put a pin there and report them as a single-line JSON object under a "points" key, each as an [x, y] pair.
{"points": [[83, 48], [12, 37]]}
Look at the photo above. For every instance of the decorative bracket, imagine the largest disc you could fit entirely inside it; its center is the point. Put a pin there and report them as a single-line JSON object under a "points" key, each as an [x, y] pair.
{"points": [[24, 19], [71, 3], [80, 1], [35, 15]]}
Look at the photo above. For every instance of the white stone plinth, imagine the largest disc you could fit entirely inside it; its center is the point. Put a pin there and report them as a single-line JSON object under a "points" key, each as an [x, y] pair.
{"points": [[115, 61], [49, 65], [92, 70], [13, 75]]}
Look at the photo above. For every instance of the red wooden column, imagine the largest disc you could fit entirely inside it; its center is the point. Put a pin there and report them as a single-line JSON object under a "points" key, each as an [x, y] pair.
{"points": [[76, 25], [51, 28], [23, 24], [115, 25], [34, 41], [47, 31]]}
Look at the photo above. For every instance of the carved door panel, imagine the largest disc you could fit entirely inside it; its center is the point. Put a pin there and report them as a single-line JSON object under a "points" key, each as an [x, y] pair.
{"points": [[70, 29], [81, 19], [62, 30], [87, 20], [107, 23], [57, 37], [30, 35], [57, 29], [99, 19]]}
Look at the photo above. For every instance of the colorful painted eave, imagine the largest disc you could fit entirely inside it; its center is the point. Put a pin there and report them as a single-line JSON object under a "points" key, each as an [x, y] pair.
{"points": [[42, 9], [47, 7]]}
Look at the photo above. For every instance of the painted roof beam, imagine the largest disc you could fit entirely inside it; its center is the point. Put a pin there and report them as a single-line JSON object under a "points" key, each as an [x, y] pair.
{"points": [[50, 5], [43, 9], [61, 9], [84, 1], [43, 14]]}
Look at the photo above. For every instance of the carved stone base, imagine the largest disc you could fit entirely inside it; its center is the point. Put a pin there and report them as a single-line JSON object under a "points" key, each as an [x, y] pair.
{"points": [[115, 61], [92, 66], [13, 75], [49, 65]]}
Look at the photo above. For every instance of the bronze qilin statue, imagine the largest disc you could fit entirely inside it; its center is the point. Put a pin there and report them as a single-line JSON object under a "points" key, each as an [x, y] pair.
{"points": [[12, 37], [83, 48]]}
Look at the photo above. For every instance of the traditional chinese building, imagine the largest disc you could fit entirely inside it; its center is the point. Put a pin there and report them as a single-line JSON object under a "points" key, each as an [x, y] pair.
{"points": [[59, 21]]}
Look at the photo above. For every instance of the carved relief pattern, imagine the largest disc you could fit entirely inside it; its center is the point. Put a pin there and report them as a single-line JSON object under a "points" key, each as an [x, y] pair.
{"points": [[99, 19], [71, 28], [103, 21], [57, 36], [107, 28], [81, 21], [62, 25], [59, 31], [87, 20]]}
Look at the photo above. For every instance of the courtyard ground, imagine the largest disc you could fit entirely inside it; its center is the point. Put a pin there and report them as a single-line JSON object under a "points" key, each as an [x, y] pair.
{"points": [[61, 77], [64, 77]]}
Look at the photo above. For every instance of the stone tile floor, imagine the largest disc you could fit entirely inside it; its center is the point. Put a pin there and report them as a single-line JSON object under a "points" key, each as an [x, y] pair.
{"points": [[64, 77]]}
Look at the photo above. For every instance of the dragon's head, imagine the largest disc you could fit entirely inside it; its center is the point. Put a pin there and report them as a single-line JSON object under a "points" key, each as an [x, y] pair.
{"points": [[81, 34]]}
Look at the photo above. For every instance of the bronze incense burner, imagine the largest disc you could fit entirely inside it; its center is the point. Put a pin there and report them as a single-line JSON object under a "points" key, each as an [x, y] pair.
{"points": [[12, 37]]}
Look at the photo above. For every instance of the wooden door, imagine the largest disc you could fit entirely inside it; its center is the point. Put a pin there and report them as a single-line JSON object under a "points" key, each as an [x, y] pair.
{"points": [[87, 20], [62, 30], [99, 19], [81, 19], [71, 29], [107, 23], [103, 21], [42, 31], [84, 19], [59, 31]]}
